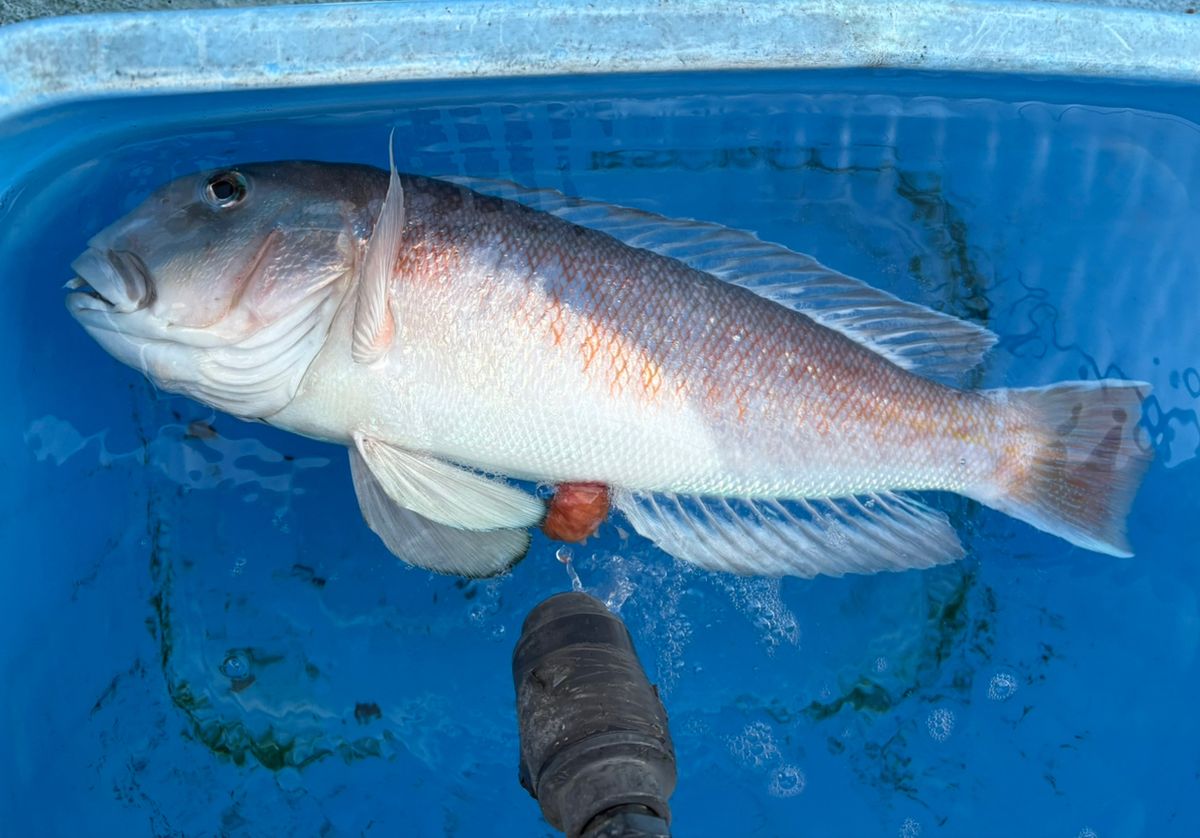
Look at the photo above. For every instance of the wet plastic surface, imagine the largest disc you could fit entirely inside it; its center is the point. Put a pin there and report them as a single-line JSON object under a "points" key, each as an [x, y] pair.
{"points": [[201, 638]]}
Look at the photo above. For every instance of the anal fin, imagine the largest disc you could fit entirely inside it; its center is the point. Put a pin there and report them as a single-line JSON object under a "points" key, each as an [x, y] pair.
{"points": [[805, 538], [427, 544]]}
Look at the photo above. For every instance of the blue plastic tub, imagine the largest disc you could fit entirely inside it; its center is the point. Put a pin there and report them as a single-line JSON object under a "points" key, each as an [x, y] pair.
{"points": [[199, 637]]}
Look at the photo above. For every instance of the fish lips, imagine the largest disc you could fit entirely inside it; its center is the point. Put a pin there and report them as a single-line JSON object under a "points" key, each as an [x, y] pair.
{"points": [[111, 300], [112, 281]]}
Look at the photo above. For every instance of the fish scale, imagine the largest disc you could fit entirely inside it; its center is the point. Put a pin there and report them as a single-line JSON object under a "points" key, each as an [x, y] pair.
{"points": [[750, 368]]}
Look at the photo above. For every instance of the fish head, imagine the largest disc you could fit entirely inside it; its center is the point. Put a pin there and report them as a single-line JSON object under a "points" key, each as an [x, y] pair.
{"points": [[222, 285]]}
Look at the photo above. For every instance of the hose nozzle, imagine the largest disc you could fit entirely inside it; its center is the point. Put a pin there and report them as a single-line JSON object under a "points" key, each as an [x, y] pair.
{"points": [[595, 749]]}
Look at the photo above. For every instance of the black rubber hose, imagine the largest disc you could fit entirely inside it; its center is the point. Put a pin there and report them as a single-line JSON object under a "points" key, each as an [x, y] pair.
{"points": [[595, 749]]}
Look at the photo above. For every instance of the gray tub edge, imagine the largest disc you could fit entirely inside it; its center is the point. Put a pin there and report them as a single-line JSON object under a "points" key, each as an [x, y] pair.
{"points": [[45, 62]]}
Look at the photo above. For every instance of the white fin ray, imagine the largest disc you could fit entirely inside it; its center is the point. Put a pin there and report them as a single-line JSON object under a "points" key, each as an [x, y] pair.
{"points": [[912, 336], [806, 538], [446, 493], [374, 320], [426, 544]]}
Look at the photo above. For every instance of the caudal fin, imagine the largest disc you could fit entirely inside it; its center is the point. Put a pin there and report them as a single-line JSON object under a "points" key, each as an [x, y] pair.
{"points": [[1086, 464]]}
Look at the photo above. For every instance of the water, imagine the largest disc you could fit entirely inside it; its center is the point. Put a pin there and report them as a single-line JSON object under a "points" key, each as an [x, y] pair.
{"points": [[200, 637]]}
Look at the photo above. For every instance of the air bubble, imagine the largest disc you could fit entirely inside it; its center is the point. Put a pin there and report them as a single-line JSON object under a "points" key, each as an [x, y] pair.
{"points": [[837, 534], [1087, 832], [486, 604], [940, 724], [1002, 686], [235, 667], [623, 585], [755, 747], [787, 781], [761, 601], [881, 664], [909, 829], [564, 554], [545, 491], [654, 612]]}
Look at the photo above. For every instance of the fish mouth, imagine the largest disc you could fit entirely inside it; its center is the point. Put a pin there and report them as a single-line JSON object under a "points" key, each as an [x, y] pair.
{"points": [[112, 281]]}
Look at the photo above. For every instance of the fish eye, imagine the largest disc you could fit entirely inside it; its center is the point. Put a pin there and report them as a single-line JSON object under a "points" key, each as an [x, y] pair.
{"points": [[225, 190]]}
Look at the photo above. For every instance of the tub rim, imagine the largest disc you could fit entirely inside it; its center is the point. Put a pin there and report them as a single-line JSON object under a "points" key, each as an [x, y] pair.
{"points": [[50, 61]]}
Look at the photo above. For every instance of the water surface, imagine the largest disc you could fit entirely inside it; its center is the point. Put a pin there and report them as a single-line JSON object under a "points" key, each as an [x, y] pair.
{"points": [[200, 637]]}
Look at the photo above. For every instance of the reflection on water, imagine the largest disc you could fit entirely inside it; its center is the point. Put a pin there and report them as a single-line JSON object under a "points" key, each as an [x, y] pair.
{"points": [[192, 455], [271, 668]]}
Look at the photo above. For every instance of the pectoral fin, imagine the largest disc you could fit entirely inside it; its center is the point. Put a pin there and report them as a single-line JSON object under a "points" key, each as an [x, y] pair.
{"points": [[374, 320], [446, 493], [430, 545]]}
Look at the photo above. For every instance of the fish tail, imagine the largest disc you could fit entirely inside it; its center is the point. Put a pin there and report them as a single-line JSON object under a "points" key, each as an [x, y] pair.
{"points": [[1079, 463]]}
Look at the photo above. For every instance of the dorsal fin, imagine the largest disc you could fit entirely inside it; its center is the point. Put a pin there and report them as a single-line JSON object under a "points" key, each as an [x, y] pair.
{"points": [[912, 336]]}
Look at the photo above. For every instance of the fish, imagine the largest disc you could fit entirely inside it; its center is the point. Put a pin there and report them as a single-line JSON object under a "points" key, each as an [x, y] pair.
{"points": [[743, 406]]}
